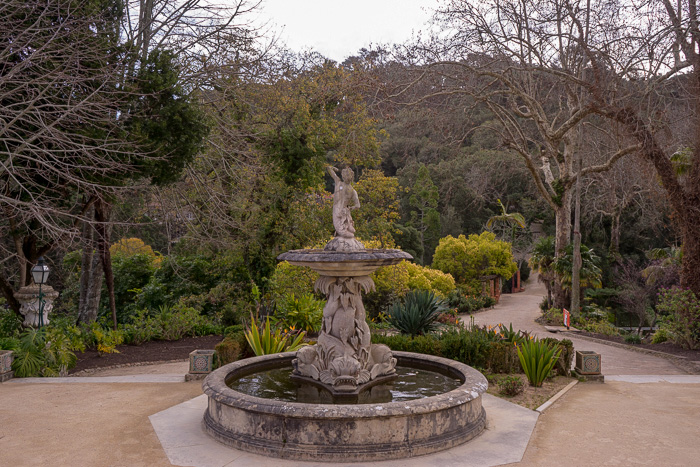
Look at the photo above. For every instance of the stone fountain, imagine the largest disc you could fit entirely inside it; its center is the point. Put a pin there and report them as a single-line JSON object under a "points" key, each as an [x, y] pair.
{"points": [[345, 364]]}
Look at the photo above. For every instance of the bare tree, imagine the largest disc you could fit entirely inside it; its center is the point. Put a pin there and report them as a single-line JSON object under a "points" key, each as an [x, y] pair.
{"points": [[524, 61], [67, 95]]}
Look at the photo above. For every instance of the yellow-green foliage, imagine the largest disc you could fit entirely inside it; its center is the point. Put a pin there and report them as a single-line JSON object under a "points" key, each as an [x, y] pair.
{"points": [[425, 278], [468, 258], [134, 246], [290, 280], [405, 276]]}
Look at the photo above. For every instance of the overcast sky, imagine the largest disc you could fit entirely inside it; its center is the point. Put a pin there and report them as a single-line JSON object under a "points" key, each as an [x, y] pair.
{"points": [[339, 28]]}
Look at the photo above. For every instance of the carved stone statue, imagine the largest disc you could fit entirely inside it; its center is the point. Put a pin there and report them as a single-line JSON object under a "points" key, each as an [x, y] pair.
{"points": [[345, 200], [344, 358]]}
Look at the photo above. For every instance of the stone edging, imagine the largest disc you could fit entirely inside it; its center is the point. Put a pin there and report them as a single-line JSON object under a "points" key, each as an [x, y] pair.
{"points": [[89, 371], [555, 397], [681, 363]]}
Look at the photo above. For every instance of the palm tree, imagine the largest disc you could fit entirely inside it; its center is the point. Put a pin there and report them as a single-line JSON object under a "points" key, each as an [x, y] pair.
{"points": [[507, 220], [542, 261]]}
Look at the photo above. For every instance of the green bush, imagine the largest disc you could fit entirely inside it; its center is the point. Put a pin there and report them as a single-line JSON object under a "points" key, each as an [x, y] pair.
{"points": [[511, 386], [178, 322], [304, 313], [10, 322], [566, 354], [45, 352], [418, 314], [633, 339], [143, 328], [477, 347], [468, 258], [661, 335], [599, 327], [234, 347], [537, 359], [465, 303], [682, 316], [554, 317]]}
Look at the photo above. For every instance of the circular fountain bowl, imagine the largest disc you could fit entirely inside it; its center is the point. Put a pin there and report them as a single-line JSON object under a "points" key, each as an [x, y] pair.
{"points": [[344, 263], [363, 432]]}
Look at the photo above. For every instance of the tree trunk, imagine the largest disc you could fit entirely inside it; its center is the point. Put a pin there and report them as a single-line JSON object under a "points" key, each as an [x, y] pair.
{"points": [[562, 238], [690, 265], [90, 278], [614, 249], [103, 232], [576, 267]]}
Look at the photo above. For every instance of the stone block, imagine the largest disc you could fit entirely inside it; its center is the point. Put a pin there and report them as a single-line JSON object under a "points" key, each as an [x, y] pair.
{"points": [[587, 363], [201, 361], [5, 365]]}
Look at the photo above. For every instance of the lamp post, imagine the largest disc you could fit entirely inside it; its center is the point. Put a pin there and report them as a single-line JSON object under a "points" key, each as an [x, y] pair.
{"points": [[40, 272]]}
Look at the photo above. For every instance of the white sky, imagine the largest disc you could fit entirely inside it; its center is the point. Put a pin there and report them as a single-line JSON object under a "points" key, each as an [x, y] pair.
{"points": [[339, 28]]}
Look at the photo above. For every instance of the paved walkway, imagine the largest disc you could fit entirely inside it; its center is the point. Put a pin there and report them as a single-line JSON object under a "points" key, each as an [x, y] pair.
{"points": [[522, 309]]}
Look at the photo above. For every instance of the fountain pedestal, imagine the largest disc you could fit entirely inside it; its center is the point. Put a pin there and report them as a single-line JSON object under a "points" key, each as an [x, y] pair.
{"points": [[344, 361]]}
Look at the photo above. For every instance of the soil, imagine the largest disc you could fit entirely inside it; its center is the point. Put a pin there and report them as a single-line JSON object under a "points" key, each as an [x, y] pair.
{"points": [[531, 397], [153, 351], [665, 347]]}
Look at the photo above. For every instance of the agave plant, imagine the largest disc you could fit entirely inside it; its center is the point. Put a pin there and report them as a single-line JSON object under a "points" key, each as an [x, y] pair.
{"points": [[537, 359], [264, 341], [418, 314]]}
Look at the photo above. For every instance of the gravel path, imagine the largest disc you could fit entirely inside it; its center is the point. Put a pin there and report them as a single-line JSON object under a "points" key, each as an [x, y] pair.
{"points": [[522, 309]]}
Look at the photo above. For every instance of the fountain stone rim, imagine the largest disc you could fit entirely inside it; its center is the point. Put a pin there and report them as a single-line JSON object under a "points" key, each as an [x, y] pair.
{"points": [[344, 263], [473, 386]]}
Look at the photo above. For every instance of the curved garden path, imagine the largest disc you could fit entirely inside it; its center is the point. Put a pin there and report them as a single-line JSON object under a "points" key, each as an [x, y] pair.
{"points": [[522, 309]]}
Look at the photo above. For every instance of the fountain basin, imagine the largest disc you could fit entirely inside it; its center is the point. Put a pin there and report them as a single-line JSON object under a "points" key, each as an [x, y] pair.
{"points": [[364, 432], [344, 263]]}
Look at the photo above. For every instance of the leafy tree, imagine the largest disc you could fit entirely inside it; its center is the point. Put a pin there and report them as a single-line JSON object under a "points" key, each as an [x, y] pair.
{"points": [[380, 207], [468, 258]]}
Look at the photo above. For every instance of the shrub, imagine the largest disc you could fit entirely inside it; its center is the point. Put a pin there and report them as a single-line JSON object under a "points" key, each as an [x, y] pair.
{"points": [[143, 328], [661, 335], [45, 352], [468, 303], [682, 322], [10, 322], [511, 386], [233, 348], [554, 316], [537, 359], [566, 354], [467, 258], [418, 314], [177, 322], [633, 339], [106, 340], [477, 347], [304, 313], [600, 327], [502, 357]]}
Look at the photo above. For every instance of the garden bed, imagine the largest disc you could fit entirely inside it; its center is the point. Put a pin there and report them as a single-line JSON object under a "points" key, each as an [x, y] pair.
{"points": [[531, 397], [148, 352], [664, 347]]}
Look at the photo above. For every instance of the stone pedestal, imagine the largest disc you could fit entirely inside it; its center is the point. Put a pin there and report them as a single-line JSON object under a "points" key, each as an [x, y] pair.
{"points": [[5, 365], [587, 363], [28, 298]]}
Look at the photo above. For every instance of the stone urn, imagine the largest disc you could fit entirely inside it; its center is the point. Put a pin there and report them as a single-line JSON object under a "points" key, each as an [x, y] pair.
{"points": [[28, 297]]}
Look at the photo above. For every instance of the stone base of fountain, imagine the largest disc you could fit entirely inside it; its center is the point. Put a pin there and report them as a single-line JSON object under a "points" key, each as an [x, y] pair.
{"points": [[325, 432]]}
